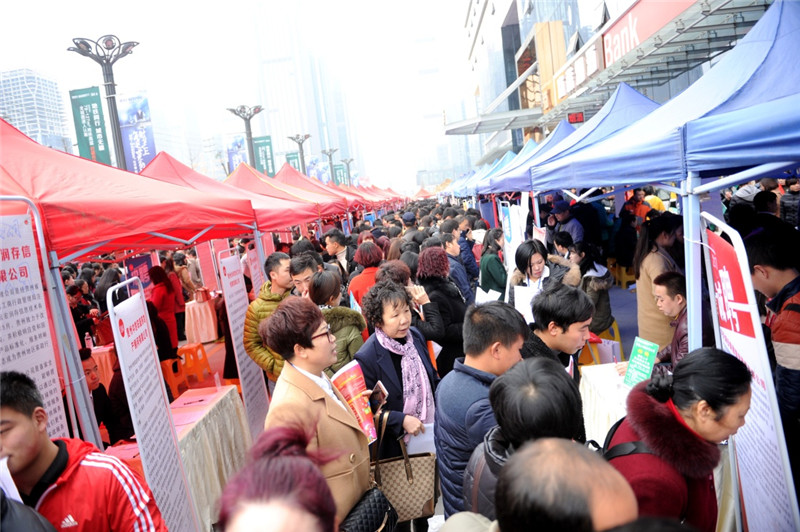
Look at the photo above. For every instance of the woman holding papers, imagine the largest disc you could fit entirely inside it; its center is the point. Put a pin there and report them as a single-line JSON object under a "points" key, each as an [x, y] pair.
{"points": [[536, 269], [396, 355], [675, 423], [304, 397]]}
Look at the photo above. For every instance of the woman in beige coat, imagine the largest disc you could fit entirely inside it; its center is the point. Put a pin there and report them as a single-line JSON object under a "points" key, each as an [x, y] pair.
{"points": [[650, 260], [305, 397]]}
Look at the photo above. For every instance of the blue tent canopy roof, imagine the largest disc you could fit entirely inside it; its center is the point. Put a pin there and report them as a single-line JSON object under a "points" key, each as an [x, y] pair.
{"points": [[764, 66], [625, 107], [516, 177]]}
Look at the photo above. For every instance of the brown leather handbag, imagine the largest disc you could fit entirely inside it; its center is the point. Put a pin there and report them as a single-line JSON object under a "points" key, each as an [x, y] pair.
{"points": [[411, 483]]}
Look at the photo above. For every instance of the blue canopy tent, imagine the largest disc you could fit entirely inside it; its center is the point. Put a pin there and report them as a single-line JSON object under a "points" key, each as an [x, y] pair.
{"points": [[764, 66], [515, 177], [764, 133], [467, 187], [482, 186], [523, 155], [758, 75], [458, 182], [625, 107]]}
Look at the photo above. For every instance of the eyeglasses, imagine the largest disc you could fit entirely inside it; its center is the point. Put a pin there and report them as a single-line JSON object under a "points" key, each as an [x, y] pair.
{"points": [[331, 337]]}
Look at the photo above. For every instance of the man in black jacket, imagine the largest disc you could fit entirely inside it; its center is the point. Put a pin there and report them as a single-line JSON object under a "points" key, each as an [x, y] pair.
{"points": [[562, 315]]}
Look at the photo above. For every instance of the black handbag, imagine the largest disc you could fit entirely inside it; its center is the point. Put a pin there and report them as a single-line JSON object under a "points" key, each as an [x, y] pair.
{"points": [[372, 513]]}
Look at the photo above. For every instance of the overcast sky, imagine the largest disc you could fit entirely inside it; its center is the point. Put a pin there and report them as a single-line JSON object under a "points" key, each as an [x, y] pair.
{"points": [[196, 59]]}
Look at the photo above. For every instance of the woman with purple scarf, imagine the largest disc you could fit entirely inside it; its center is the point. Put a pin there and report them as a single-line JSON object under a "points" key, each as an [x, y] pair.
{"points": [[397, 355]]}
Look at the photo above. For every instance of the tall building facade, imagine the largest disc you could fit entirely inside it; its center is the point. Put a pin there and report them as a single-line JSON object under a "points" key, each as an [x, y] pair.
{"points": [[534, 63], [34, 105]]}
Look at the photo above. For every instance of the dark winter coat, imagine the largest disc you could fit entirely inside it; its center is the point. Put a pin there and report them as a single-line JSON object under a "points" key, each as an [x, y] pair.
{"points": [[480, 477], [463, 417], [452, 309], [459, 276], [790, 204], [677, 480], [377, 364], [432, 327]]}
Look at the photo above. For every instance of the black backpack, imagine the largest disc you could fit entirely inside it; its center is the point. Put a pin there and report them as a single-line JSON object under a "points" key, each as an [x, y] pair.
{"points": [[622, 449]]}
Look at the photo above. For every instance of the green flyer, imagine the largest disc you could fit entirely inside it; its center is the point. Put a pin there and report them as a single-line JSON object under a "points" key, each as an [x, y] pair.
{"points": [[641, 361]]}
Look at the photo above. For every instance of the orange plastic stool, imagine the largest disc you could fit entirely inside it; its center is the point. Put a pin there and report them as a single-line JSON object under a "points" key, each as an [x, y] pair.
{"points": [[195, 360], [174, 378]]}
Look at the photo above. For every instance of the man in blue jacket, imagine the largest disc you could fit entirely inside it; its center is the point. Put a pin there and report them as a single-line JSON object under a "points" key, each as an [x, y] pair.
{"points": [[457, 272], [493, 336]]}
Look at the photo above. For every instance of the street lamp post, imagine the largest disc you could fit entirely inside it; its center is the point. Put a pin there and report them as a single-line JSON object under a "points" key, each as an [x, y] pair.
{"points": [[246, 113], [329, 152], [106, 51], [300, 139], [347, 163]]}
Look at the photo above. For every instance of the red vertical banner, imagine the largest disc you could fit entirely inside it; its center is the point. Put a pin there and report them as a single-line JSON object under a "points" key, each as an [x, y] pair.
{"points": [[268, 243]]}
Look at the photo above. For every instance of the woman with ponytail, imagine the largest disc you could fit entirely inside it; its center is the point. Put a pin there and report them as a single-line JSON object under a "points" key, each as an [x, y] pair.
{"points": [[650, 260], [675, 423]]}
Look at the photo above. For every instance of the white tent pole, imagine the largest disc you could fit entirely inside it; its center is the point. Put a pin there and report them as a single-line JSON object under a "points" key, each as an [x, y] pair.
{"points": [[740, 177], [691, 242], [262, 259]]}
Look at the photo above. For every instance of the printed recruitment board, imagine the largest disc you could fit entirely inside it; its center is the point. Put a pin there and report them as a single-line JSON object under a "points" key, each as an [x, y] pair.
{"points": [[26, 344], [251, 377], [758, 450], [147, 400]]}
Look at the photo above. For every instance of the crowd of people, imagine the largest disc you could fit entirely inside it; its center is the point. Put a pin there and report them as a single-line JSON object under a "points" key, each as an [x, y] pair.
{"points": [[398, 295]]}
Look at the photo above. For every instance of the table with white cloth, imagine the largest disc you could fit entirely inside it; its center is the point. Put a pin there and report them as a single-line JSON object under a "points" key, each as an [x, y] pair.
{"points": [[105, 356], [604, 396], [214, 438], [201, 322]]}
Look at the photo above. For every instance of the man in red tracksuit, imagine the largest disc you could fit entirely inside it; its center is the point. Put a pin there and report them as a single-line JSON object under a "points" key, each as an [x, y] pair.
{"points": [[68, 481]]}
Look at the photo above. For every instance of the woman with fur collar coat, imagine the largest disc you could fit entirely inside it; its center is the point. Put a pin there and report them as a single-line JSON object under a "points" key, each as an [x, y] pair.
{"points": [[681, 419]]}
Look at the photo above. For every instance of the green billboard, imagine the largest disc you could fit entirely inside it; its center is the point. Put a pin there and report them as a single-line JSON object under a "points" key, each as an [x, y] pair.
{"points": [[263, 151], [90, 127]]}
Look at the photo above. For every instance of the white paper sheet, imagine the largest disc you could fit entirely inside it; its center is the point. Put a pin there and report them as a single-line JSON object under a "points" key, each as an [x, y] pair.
{"points": [[522, 301], [482, 296], [7, 483], [422, 443]]}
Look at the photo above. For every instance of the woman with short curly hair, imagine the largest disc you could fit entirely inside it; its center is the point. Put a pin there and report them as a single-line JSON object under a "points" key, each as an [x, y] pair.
{"points": [[397, 356]]}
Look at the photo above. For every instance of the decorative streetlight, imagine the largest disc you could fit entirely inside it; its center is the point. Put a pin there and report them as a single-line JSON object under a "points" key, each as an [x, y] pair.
{"points": [[246, 113], [300, 139], [329, 152], [106, 51], [347, 163]]}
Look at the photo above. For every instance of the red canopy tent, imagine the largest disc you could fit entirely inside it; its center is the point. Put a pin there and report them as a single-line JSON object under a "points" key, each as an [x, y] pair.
{"points": [[271, 213], [248, 178], [89, 208], [290, 176], [366, 194], [422, 193]]}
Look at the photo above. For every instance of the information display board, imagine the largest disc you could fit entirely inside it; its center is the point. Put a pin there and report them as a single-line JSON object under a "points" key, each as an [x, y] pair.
{"points": [[26, 345], [152, 420], [251, 377], [761, 462]]}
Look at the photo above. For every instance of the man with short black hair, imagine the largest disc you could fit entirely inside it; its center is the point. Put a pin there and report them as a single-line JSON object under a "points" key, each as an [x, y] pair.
{"points": [[336, 247], [493, 336], [562, 315], [301, 268], [68, 481], [275, 290], [103, 411], [410, 230], [457, 272]]}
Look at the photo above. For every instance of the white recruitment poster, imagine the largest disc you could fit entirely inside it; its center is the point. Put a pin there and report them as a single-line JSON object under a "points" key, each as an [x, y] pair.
{"points": [[25, 342], [761, 463], [256, 270], [519, 215], [505, 220], [251, 378], [147, 400]]}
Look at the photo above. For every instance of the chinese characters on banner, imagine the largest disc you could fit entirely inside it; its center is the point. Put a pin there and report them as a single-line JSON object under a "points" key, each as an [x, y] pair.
{"points": [[137, 131], [139, 267], [25, 342], [254, 390], [90, 127], [237, 153], [147, 398], [762, 462], [263, 151]]}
